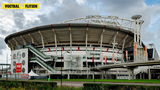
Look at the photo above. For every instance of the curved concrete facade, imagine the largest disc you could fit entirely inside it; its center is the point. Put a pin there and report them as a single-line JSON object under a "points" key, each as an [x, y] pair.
{"points": [[94, 44]]}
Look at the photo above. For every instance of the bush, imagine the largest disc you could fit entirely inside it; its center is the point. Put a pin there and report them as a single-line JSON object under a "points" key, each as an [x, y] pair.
{"points": [[27, 84], [68, 88], [98, 86]]}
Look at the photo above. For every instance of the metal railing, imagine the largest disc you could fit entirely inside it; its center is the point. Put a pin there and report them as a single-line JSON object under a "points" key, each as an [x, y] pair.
{"points": [[44, 65], [41, 58], [115, 21], [38, 53]]}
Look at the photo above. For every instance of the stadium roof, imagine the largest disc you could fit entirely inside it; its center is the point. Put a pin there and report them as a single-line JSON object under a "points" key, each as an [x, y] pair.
{"points": [[71, 32]]}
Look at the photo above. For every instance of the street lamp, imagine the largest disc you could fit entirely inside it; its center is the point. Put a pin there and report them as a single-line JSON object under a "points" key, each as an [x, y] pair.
{"points": [[61, 68], [6, 67]]}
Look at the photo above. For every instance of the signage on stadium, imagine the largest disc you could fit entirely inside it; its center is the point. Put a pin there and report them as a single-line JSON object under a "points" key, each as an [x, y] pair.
{"points": [[19, 61], [73, 62], [18, 67]]}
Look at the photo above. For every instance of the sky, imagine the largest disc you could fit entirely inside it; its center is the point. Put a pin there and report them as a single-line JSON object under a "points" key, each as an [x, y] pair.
{"points": [[56, 11]]}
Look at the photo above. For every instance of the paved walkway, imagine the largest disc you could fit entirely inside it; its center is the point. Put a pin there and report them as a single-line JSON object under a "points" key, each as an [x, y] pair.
{"points": [[80, 84]]}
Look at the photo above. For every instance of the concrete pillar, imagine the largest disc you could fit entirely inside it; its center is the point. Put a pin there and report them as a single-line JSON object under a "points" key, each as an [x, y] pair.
{"points": [[140, 74], [117, 74], [131, 73], [149, 73], [68, 76], [107, 74], [101, 45], [87, 52], [88, 74], [102, 77], [93, 76]]}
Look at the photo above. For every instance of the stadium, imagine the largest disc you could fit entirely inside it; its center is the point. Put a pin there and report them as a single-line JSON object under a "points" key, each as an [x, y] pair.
{"points": [[69, 49]]}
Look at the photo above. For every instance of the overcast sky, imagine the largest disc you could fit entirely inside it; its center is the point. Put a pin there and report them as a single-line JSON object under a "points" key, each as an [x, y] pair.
{"points": [[56, 11]]}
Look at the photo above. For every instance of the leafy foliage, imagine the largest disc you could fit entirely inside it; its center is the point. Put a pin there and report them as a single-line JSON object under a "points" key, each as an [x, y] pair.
{"points": [[98, 86]]}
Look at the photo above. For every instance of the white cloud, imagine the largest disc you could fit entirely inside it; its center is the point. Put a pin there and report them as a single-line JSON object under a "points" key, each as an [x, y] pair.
{"points": [[6, 20], [30, 17], [53, 11], [128, 8], [5, 55], [81, 1]]}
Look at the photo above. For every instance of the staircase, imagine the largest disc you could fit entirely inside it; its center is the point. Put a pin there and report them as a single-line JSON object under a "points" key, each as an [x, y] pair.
{"points": [[40, 58]]}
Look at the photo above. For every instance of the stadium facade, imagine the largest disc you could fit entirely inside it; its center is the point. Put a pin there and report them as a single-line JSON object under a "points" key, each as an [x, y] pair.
{"points": [[71, 48]]}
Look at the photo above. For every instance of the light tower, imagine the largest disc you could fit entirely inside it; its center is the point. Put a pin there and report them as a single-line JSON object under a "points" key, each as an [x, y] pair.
{"points": [[138, 49]]}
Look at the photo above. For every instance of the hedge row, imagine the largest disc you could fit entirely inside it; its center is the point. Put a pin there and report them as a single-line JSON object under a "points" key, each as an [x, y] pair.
{"points": [[96, 86], [27, 84]]}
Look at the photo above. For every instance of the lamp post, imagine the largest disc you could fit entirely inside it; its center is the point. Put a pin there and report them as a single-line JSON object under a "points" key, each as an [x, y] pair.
{"points": [[94, 76], [6, 67], [61, 68]]}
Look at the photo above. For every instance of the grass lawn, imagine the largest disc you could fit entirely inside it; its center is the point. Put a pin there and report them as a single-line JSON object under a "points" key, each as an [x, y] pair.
{"points": [[110, 80]]}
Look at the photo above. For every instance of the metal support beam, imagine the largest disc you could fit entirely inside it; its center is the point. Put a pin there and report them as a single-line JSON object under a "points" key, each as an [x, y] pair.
{"points": [[87, 50], [70, 36], [124, 41], [55, 39], [31, 38], [114, 36], [101, 45], [102, 37], [17, 44], [86, 42], [99, 40], [86, 37], [123, 44], [11, 45], [24, 41], [114, 44], [42, 38]]}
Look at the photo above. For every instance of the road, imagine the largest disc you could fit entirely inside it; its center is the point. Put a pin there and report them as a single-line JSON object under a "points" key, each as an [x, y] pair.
{"points": [[80, 84]]}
